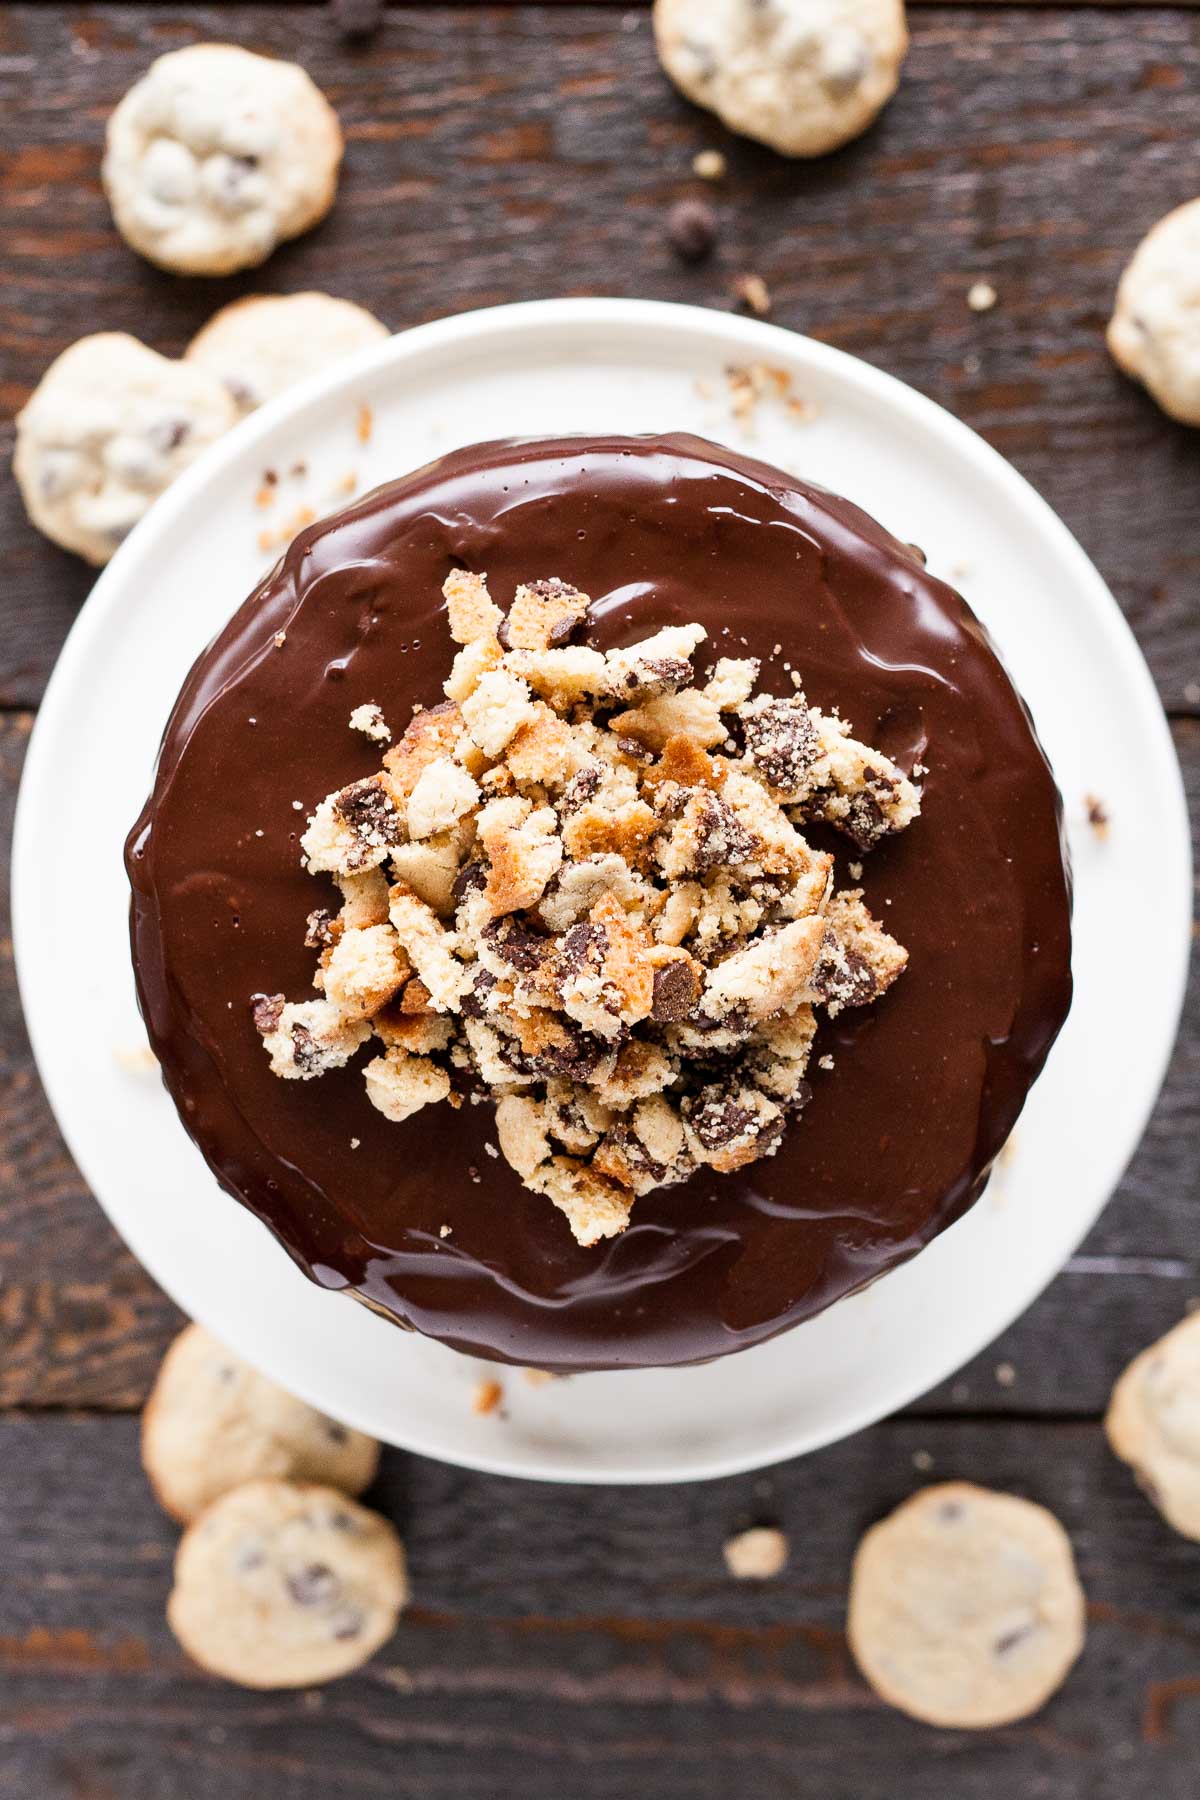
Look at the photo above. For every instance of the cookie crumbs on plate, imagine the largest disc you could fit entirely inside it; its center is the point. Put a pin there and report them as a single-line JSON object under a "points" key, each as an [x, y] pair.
{"points": [[981, 296], [752, 292], [488, 1395], [1097, 816], [825, 1062], [135, 1059], [280, 639], [709, 165], [444, 1231], [922, 1461], [364, 424], [1006, 1375], [758, 1554], [538, 1377], [569, 891]]}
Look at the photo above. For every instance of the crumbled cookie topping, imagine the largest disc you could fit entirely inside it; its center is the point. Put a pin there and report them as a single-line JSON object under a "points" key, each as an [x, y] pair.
{"points": [[579, 887]]}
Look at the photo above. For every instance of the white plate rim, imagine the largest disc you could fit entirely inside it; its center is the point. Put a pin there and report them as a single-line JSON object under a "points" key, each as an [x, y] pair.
{"points": [[760, 339]]}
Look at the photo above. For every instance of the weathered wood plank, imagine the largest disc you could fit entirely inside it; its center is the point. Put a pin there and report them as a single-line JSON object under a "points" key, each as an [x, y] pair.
{"points": [[82, 1325], [501, 153], [583, 1641]]}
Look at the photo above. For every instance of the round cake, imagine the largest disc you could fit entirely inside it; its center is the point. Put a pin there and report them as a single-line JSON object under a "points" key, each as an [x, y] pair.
{"points": [[601, 901]]}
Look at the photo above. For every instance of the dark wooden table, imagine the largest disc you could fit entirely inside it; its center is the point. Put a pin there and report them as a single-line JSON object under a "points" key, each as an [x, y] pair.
{"points": [[580, 1642]]}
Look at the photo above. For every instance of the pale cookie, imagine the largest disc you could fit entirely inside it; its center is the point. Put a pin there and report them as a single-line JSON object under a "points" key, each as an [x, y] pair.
{"points": [[261, 345], [107, 428], [1153, 1423], [282, 1584], [1154, 333], [216, 156], [965, 1609], [801, 75], [212, 1422]]}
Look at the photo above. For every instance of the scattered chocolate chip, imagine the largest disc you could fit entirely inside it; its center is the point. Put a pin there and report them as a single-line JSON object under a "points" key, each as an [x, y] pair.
{"points": [[369, 813], [474, 1001], [521, 947], [692, 229], [842, 975], [347, 1625], [1007, 1643], [580, 788]]}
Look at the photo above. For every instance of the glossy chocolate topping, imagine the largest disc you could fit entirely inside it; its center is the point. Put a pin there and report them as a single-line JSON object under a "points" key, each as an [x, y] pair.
{"points": [[897, 1139]]}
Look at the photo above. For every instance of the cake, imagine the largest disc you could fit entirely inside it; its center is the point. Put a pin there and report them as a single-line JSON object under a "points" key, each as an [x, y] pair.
{"points": [[601, 902]]}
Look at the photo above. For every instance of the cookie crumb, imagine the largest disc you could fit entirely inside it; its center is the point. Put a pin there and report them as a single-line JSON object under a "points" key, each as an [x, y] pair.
{"points": [[444, 1231], [368, 718], [364, 424], [758, 1554], [1097, 816], [692, 229], [981, 296], [752, 293], [709, 165], [1006, 1375], [487, 1397], [538, 1377], [135, 1059], [922, 1461]]}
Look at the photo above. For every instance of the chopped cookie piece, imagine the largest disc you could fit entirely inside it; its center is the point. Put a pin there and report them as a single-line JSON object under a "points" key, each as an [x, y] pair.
{"points": [[353, 829], [212, 1422], [399, 1085], [603, 914], [365, 969], [543, 616], [216, 156], [282, 1584], [368, 719], [306, 1038], [965, 1608]]}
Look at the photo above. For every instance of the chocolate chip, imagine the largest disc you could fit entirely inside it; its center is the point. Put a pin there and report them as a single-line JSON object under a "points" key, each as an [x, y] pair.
{"points": [[720, 836], [580, 788], [692, 229], [317, 935], [314, 1585], [563, 630], [471, 876], [337, 1434], [584, 947], [676, 987], [474, 1001], [168, 434], [1008, 1641], [842, 975], [718, 1120], [348, 1625], [248, 1556], [504, 635], [357, 18], [266, 1011], [521, 948]]}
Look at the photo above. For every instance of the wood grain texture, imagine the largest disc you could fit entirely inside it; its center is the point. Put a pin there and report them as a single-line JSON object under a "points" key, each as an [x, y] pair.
{"points": [[503, 153], [82, 1325], [584, 1642]]}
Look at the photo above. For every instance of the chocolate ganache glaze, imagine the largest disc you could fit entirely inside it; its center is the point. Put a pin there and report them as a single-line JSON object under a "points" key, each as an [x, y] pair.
{"points": [[897, 1139]]}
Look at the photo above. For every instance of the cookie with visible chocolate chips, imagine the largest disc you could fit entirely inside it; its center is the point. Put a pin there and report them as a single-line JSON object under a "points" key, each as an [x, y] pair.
{"points": [[216, 156], [965, 1608], [1153, 1424], [213, 1422], [108, 427], [282, 1584], [263, 344], [801, 75]]}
